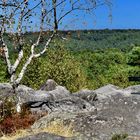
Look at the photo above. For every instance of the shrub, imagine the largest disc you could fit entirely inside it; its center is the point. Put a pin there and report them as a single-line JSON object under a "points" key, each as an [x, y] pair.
{"points": [[57, 64], [15, 122], [134, 62], [134, 56], [58, 127], [10, 120], [119, 136], [104, 67]]}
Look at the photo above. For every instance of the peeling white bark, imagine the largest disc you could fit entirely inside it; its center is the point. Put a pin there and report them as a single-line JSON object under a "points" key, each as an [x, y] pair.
{"points": [[45, 47], [12, 79], [18, 105], [21, 74], [18, 60], [6, 53], [20, 54]]}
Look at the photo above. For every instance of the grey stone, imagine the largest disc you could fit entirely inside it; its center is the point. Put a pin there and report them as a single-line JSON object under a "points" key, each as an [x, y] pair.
{"points": [[49, 85], [88, 95], [69, 104], [107, 91], [58, 93], [44, 121], [28, 94], [25, 93], [117, 113], [5, 90], [133, 89], [41, 101]]}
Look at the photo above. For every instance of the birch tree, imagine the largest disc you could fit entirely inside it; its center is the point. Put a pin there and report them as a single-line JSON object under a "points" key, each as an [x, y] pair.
{"points": [[17, 15]]}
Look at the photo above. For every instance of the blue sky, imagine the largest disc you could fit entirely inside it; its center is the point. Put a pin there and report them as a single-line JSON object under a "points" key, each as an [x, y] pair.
{"points": [[125, 15]]}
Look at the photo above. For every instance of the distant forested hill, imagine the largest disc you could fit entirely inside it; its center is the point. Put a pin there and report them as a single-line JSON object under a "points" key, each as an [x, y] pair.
{"points": [[92, 39], [101, 39]]}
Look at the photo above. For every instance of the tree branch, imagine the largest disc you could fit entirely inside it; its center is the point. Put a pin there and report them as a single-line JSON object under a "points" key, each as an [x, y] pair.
{"points": [[46, 46], [20, 76], [78, 8], [20, 40]]}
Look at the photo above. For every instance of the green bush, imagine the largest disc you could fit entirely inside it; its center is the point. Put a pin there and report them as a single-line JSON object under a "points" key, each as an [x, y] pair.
{"points": [[57, 64], [119, 136], [134, 56], [104, 67]]}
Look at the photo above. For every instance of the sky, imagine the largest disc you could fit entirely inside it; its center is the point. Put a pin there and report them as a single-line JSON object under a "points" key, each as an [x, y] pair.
{"points": [[125, 15]]}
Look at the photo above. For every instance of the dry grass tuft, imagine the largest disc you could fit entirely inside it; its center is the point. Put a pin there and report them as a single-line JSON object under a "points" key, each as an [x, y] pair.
{"points": [[55, 127], [59, 128]]}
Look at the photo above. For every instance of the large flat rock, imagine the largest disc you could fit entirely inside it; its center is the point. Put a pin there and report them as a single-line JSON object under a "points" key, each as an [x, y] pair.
{"points": [[116, 113], [97, 114]]}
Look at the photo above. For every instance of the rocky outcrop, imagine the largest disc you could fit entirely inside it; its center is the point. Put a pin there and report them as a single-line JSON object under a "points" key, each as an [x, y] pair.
{"points": [[87, 95], [133, 89], [96, 114], [49, 85], [29, 95], [5, 90], [117, 112], [58, 98], [106, 92]]}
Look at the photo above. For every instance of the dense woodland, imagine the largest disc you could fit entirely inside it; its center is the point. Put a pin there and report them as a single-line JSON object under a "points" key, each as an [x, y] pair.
{"points": [[82, 59]]}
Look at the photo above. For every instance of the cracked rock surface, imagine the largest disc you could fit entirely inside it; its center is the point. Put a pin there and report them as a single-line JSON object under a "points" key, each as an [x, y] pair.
{"points": [[95, 114]]}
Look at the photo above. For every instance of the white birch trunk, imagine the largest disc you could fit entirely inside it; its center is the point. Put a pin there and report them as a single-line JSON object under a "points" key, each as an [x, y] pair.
{"points": [[21, 74], [6, 53], [12, 69], [45, 47], [18, 60]]}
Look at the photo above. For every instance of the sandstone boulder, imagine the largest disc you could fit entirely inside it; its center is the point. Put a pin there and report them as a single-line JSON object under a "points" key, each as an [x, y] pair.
{"points": [[88, 95], [49, 85], [116, 112]]}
